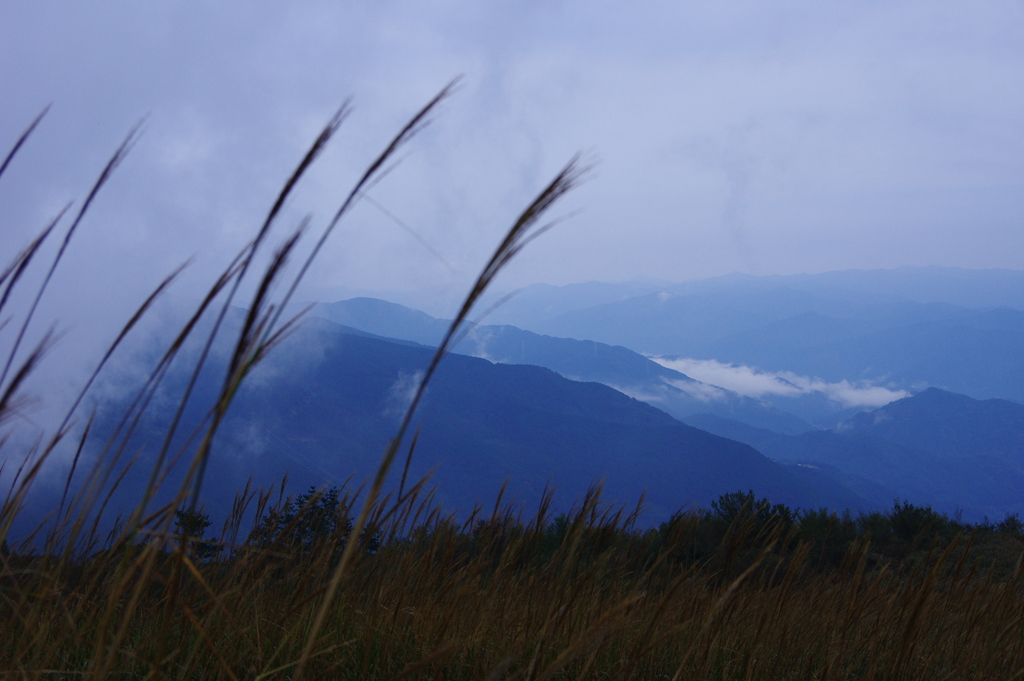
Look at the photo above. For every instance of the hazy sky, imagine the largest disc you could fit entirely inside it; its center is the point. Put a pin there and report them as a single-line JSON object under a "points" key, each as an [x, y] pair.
{"points": [[761, 137]]}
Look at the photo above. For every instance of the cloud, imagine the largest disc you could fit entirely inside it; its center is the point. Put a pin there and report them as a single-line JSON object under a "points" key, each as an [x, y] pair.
{"points": [[725, 140], [401, 393], [702, 391], [638, 393], [753, 382], [737, 378]]}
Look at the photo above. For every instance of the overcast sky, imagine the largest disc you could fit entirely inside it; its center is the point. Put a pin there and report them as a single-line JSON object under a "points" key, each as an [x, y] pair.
{"points": [[768, 138]]}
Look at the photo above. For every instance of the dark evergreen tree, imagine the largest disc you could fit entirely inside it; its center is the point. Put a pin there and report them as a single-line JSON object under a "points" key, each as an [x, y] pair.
{"points": [[190, 526]]}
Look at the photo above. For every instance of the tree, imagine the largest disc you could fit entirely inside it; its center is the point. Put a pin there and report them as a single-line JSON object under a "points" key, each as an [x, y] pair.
{"points": [[304, 521], [191, 526], [737, 505], [909, 522]]}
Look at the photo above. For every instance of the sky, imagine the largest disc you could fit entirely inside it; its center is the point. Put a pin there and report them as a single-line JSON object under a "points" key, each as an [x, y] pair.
{"points": [[766, 138]]}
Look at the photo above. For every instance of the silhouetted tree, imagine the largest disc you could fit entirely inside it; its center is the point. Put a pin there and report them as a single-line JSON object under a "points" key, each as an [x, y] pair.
{"points": [[191, 526]]}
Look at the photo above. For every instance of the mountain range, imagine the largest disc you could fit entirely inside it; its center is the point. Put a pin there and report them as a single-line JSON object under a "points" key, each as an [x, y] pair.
{"points": [[323, 406], [615, 366], [841, 322], [954, 286], [953, 452], [903, 329], [537, 410]]}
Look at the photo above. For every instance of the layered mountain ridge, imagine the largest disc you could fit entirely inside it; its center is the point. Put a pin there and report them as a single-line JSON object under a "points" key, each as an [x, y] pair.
{"points": [[537, 410], [615, 366], [324, 405], [953, 452]]}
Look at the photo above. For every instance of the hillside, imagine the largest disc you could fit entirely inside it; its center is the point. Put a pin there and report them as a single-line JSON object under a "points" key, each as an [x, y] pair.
{"points": [[950, 425], [615, 366], [938, 448], [959, 330], [324, 405]]}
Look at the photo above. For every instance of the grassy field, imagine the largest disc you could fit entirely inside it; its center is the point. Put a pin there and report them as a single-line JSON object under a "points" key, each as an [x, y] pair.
{"points": [[742, 591], [359, 584]]}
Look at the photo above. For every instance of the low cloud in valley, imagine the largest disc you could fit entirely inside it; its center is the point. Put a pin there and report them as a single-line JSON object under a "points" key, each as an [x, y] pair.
{"points": [[753, 382]]}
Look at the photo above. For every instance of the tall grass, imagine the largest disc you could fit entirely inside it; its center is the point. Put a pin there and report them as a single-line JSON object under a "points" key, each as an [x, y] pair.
{"points": [[584, 595], [353, 583]]}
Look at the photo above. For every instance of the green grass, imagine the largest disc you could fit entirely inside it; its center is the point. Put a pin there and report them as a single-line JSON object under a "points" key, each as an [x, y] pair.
{"points": [[353, 584]]}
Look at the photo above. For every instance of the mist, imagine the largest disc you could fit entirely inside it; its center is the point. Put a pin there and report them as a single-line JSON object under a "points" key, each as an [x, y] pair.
{"points": [[752, 382]]}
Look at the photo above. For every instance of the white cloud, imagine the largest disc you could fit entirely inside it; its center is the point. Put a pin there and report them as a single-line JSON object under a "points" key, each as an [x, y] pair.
{"points": [[702, 391], [741, 379], [638, 393], [402, 392], [753, 382]]}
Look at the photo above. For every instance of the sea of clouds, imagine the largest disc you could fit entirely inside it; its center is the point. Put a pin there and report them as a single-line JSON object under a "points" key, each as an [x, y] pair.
{"points": [[754, 382]]}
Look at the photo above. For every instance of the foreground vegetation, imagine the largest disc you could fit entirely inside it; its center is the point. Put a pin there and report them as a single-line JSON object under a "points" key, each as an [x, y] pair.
{"points": [[363, 584], [743, 590]]}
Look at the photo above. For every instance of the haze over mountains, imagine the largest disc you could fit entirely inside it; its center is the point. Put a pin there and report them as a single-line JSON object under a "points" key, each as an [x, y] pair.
{"points": [[533, 409], [902, 329], [947, 450], [838, 350], [951, 285], [820, 347], [615, 366], [323, 407]]}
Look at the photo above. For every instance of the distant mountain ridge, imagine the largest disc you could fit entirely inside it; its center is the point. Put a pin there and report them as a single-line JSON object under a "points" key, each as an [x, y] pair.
{"points": [[901, 330], [937, 448], [813, 327], [614, 366], [325, 403], [954, 286], [949, 425]]}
